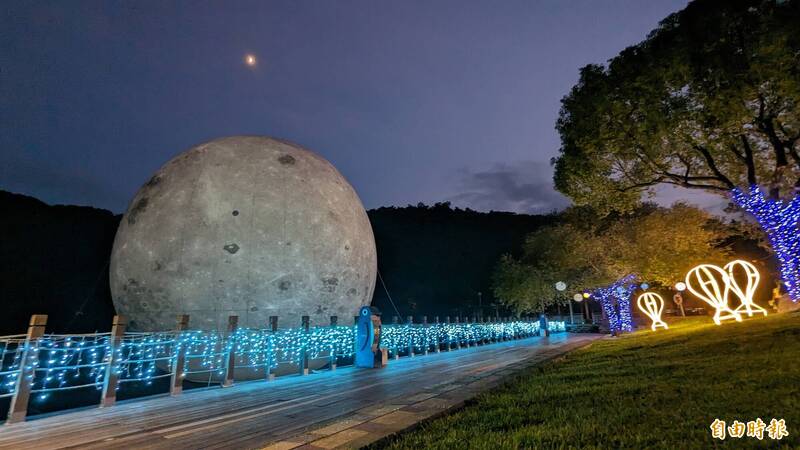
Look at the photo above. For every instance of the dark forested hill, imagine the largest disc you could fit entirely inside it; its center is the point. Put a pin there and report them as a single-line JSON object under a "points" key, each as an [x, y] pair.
{"points": [[434, 260], [54, 260]]}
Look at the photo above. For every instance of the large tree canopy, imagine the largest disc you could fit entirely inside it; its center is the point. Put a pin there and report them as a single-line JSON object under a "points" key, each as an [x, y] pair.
{"points": [[709, 100], [658, 244]]}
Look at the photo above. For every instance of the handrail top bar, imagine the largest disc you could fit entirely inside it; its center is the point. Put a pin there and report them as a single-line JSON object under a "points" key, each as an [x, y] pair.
{"points": [[49, 336]]}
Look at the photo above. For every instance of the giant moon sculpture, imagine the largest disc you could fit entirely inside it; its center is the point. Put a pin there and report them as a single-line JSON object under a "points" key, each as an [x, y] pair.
{"points": [[248, 226]]}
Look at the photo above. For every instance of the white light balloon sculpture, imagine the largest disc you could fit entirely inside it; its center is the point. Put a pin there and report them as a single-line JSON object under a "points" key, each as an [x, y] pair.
{"points": [[745, 295], [652, 305], [713, 285]]}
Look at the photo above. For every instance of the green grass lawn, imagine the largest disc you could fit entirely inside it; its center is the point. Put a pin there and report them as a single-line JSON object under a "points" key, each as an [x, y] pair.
{"points": [[643, 390]]}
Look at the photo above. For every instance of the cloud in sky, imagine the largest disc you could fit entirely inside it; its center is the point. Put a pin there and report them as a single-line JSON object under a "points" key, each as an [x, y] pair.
{"points": [[666, 195], [527, 187], [523, 187]]}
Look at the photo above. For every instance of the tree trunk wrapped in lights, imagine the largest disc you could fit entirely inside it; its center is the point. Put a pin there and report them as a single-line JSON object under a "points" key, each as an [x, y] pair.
{"points": [[780, 220], [616, 302]]}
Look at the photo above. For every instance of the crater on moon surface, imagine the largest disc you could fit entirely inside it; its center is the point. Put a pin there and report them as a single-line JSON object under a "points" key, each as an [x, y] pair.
{"points": [[302, 245]]}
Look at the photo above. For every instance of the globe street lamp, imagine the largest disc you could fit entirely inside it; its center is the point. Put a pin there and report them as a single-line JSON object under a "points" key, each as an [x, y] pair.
{"points": [[561, 287], [680, 286], [581, 297]]}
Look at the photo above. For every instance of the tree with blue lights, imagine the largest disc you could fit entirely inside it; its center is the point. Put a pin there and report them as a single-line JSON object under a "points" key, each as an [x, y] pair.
{"points": [[710, 100], [615, 300]]}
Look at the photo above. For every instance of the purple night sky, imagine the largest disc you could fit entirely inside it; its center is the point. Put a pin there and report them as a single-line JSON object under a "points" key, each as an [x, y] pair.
{"points": [[412, 101]]}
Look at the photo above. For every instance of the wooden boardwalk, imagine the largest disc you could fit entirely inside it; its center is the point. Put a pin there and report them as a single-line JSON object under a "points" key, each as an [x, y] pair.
{"points": [[346, 407]]}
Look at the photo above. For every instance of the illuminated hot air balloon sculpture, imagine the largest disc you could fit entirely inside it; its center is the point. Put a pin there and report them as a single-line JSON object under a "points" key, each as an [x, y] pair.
{"points": [[745, 295], [652, 305], [712, 284]]}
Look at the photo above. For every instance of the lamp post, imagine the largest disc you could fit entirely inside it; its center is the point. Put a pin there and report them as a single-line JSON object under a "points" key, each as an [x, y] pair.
{"points": [[678, 298], [586, 311], [578, 298], [561, 287]]}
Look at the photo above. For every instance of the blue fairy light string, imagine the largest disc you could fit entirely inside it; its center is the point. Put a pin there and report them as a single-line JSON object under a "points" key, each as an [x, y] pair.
{"points": [[66, 362], [616, 302], [779, 219]]}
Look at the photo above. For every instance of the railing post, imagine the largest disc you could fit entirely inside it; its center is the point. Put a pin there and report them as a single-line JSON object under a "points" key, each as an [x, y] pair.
{"points": [[306, 324], [448, 328], [273, 328], [500, 329], [474, 322], [176, 383], [27, 369], [230, 367], [396, 322], [543, 325], [111, 378], [470, 324], [478, 321], [411, 336], [425, 342], [334, 323], [458, 338], [438, 329]]}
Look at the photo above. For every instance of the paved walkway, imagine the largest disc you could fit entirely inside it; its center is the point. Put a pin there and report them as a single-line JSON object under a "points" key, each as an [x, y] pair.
{"points": [[348, 407]]}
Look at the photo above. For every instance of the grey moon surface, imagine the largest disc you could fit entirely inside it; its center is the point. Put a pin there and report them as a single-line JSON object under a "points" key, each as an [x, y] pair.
{"points": [[248, 226]]}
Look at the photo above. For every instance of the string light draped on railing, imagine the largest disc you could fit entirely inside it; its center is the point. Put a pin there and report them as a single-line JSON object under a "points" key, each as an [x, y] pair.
{"points": [[67, 362], [11, 348]]}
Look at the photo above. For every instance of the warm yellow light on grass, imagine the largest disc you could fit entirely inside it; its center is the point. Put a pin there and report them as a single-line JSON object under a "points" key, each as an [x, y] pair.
{"points": [[745, 295], [712, 285], [652, 305]]}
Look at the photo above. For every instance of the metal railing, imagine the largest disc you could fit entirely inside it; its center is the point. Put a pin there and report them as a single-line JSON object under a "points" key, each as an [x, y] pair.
{"points": [[39, 365]]}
